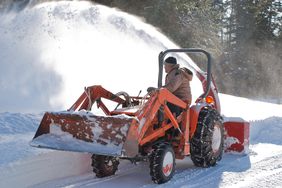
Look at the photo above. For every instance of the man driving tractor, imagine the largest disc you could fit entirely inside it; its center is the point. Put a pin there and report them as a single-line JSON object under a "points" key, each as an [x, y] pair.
{"points": [[177, 81]]}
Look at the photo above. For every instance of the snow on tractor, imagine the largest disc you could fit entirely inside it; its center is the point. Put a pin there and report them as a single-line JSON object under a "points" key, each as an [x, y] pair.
{"points": [[144, 128]]}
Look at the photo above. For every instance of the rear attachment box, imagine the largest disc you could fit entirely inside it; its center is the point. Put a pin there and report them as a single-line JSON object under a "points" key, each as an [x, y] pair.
{"points": [[237, 133]]}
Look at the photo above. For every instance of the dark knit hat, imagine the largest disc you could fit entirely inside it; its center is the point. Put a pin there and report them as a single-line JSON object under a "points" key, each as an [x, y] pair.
{"points": [[171, 60]]}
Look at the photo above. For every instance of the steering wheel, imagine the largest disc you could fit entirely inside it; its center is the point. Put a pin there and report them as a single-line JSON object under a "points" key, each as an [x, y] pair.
{"points": [[126, 97]]}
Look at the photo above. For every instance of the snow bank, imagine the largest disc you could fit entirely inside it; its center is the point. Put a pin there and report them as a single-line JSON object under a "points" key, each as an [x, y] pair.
{"points": [[266, 131], [248, 109], [15, 123], [22, 165], [16, 131], [265, 118]]}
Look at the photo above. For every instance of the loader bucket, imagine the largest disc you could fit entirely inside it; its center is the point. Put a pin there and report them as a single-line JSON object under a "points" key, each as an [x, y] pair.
{"points": [[83, 132]]}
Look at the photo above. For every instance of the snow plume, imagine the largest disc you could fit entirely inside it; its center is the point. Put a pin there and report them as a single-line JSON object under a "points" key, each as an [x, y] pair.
{"points": [[26, 84], [18, 5], [50, 51], [270, 62]]}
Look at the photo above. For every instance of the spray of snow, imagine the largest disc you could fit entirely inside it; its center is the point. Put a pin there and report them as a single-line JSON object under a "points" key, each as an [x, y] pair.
{"points": [[55, 49], [230, 141]]}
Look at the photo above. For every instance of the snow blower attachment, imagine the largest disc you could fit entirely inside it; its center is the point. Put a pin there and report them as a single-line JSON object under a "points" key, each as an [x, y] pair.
{"points": [[141, 128]]}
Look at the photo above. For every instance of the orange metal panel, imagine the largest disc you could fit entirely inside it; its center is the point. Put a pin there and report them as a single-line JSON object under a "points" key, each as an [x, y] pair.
{"points": [[186, 126], [147, 118], [78, 102], [158, 133], [104, 108], [166, 96], [194, 113], [171, 117]]}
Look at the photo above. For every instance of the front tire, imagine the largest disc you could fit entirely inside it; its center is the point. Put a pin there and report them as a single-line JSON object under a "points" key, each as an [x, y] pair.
{"points": [[207, 141], [104, 166], [162, 163]]}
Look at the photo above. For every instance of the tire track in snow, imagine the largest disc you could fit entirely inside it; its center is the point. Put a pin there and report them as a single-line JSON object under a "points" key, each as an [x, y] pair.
{"points": [[223, 173], [89, 179], [264, 173], [232, 171], [125, 170], [201, 177], [186, 174]]}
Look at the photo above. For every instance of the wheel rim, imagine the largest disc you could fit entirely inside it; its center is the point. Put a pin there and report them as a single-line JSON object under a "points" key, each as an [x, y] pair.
{"points": [[216, 138], [109, 163], [167, 163]]}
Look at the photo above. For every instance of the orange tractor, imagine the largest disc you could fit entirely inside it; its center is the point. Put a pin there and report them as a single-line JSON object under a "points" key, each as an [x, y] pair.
{"points": [[140, 128]]}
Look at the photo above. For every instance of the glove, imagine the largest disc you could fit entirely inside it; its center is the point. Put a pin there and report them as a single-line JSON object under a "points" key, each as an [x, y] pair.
{"points": [[150, 89]]}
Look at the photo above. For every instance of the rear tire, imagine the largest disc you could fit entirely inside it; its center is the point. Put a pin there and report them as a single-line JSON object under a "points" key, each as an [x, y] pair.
{"points": [[207, 141], [162, 163], [104, 166]]}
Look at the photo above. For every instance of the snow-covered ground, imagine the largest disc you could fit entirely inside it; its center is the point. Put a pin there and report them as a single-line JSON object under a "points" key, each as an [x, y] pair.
{"points": [[50, 52], [25, 166]]}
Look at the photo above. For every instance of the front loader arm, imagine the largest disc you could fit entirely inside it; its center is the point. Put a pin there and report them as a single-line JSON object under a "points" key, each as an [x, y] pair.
{"points": [[94, 94]]}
